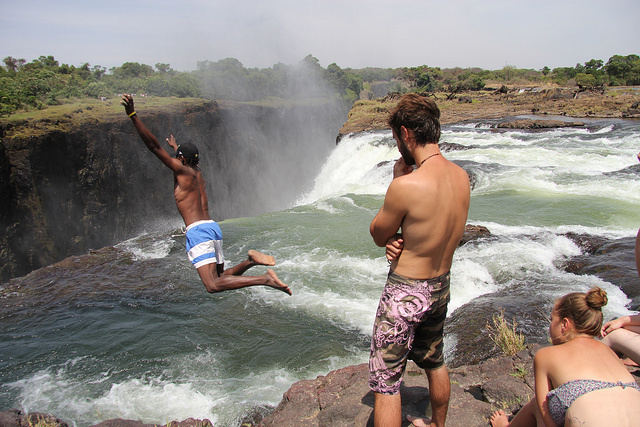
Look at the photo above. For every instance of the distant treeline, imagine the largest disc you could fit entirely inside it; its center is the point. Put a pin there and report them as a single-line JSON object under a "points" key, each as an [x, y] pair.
{"points": [[44, 81]]}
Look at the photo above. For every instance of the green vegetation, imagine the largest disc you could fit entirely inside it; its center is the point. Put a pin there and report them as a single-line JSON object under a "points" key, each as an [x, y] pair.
{"points": [[504, 335], [520, 372], [44, 82]]}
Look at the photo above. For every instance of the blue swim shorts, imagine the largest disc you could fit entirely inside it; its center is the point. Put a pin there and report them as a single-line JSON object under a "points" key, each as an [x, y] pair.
{"points": [[204, 243]]}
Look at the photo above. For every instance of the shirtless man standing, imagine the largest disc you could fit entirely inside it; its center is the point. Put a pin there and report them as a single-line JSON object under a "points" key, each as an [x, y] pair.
{"points": [[429, 205], [204, 237]]}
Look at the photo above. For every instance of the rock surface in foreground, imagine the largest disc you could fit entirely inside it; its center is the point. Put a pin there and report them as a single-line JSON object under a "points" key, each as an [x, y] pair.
{"points": [[343, 398]]}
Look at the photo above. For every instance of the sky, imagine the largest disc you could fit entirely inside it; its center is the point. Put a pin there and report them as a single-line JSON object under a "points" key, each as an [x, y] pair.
{"points": [[489, 34]]}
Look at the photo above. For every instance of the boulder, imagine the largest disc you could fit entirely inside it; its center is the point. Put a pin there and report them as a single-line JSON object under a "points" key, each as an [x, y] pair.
{"points": [[474, 232]]}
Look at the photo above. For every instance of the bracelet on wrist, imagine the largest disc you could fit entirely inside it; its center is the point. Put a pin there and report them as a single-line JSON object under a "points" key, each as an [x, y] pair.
{"points": [[132, 114]]}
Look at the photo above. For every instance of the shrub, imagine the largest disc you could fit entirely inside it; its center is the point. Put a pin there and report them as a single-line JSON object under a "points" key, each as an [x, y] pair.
{"points": [[504, 335]]}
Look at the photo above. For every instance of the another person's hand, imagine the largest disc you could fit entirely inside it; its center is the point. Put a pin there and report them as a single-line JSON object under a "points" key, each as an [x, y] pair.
{"points": [[394, 247], [612, 325], [127, 101], [400, 168]]}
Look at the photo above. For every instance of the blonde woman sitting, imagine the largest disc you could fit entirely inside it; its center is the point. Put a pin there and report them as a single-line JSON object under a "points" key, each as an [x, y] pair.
{"points": [[579, 380]]}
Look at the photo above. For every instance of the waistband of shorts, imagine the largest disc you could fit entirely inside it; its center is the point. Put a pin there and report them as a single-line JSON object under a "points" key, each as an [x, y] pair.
{"points": [[432, 281], [197, 223]]}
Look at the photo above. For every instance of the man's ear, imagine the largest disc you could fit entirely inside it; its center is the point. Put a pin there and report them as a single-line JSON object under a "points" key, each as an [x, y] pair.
{"points": [[407, 134]]}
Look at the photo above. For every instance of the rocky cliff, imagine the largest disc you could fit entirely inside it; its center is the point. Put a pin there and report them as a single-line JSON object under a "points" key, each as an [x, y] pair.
{"points": [[72, 183]]}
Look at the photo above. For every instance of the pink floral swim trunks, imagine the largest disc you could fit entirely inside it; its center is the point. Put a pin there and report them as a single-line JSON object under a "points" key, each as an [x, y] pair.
{"points": [[409, 325]]}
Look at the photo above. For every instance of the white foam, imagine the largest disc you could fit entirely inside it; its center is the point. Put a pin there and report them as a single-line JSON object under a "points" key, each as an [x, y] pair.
{"points": [[148, 246]]}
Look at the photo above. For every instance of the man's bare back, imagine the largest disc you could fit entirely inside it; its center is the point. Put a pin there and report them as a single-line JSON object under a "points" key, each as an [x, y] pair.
{"points": [[436, 200]]}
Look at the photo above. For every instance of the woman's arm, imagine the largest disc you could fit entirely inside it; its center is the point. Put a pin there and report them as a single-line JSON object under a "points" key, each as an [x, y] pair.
{"points": [[541, 365]]}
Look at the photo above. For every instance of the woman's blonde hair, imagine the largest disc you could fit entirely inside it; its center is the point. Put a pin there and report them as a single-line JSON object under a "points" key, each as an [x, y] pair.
{"points": [[584, 310]]}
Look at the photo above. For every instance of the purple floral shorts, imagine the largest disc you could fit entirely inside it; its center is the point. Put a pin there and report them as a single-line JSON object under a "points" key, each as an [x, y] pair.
{"points": [[409, 325]]}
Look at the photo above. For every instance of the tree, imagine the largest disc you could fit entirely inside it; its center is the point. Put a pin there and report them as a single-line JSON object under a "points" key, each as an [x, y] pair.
{"points": [[12, 64], [624, 69], [164, 68], [507, 71], [586, 80], [593, 65], [132, 69], [98, 71]]}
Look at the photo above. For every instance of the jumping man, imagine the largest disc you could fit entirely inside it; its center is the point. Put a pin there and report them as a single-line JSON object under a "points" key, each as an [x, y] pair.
{"points": [[204, 237]]}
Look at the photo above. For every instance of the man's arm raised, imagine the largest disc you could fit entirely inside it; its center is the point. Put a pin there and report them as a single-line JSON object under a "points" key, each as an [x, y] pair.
{"points": [[148, 138]]}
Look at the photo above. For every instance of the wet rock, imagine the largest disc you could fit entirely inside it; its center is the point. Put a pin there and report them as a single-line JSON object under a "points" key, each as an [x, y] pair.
{"points": [[119, 422], [612, 260], [474, 232], [537, 124], [16, 418]]}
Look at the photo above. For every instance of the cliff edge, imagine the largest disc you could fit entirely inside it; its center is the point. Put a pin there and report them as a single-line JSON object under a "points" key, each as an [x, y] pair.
{"points": [[549, 100]]}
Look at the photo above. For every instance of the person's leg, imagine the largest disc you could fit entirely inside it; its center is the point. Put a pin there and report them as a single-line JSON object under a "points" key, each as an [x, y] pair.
{"points": [[388, 356], [254, 258], [387, 411], [439, 391], [214, 283], [428, 348]]}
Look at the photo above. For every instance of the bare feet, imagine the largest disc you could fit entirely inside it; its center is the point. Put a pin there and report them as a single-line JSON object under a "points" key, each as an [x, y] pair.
{"points": [[499, 419], [276, 283], [259, 258], [419, 422]]}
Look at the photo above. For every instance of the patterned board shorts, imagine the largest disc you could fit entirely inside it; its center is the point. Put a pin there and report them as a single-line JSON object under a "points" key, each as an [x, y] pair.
{"points": [[409, 325]]}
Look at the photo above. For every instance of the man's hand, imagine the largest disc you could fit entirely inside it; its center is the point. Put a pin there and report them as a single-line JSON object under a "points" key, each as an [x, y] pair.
{"points": [[127, 101], [394, 247], [400, 168]]}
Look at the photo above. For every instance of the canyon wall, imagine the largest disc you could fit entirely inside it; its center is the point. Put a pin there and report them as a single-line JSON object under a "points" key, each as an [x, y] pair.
{"points": [[79, 185]]}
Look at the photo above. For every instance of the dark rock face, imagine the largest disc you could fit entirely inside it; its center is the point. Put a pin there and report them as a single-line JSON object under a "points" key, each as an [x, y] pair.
{"points": [[15, 418], [537, 124], [611, 260], [91, 186]]}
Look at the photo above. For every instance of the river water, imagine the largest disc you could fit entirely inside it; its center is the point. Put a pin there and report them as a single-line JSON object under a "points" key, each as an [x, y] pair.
{"points": [[132, 334]]}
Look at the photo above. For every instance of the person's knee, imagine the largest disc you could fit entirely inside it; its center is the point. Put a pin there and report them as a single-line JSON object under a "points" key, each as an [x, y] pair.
{"points": [[211, 285], [439, 383]]}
